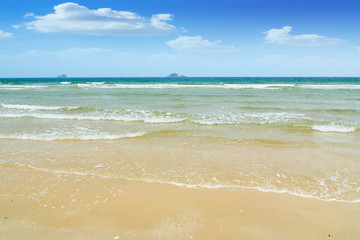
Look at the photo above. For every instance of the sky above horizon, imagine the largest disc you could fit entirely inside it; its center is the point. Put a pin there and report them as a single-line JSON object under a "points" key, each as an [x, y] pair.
{"points": [[153, 38]]}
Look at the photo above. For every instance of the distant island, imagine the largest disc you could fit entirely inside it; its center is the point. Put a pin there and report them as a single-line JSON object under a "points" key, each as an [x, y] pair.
{"points": [[62, 76], [175, 75]]}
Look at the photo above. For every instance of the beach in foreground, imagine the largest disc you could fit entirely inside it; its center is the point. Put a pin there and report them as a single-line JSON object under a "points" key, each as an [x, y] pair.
{"points": [[192, 158], [107, 190], [37, 203], [96, 208], [152, 211]]}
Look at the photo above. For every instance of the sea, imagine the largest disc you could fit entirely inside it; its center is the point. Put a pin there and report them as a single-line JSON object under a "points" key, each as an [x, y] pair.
{"points": [[299, 136]]}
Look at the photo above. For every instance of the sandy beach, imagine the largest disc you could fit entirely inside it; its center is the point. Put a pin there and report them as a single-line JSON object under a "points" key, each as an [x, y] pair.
{"points": [[200, 158], [180, 120], [57, 193], [114, 209]]}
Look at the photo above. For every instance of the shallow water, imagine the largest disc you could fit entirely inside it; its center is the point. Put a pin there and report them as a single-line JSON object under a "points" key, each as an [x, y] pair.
{"points": [[294, 135]]}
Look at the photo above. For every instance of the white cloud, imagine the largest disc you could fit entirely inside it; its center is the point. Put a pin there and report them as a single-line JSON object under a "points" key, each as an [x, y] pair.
{"points": [[29, 14], [73, 18], [73, 53], [187, 43], [16, 26], [5, 35], [283, 36]]}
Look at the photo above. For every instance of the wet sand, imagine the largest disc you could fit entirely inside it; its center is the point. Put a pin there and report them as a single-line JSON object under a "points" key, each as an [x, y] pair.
{"points": [[67, 190], [117, 209], [188, 158]]}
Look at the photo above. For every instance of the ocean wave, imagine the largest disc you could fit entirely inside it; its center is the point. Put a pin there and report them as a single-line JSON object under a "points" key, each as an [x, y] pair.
{"points": [[261, 189], [261, 118], [171, 86], [20, 87], [113, 117], [333, 128], [163, 117], [220, 86], [270, 86], [33, 107], [70, 136], [334, 110], [267, 188], [331, 87]]}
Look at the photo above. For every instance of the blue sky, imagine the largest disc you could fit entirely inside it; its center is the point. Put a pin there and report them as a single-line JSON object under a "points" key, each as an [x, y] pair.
{"points": [[130, 38]]}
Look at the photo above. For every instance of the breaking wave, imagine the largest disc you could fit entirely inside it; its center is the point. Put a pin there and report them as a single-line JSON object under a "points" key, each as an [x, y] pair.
{"points": [[333, 128]]}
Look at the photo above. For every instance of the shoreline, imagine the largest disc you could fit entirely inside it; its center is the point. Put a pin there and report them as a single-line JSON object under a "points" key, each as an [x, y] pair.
{"points": [[205, 158], [188, 186], [154, 211], [185, 162]]}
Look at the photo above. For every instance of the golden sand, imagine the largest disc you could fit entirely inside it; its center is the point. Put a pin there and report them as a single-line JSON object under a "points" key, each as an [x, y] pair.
{"points": [[69, 190], [114, 209]]}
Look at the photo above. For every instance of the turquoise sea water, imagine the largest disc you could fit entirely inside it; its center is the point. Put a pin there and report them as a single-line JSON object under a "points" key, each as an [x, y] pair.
{"points": [[109, 108], [294, 135]]}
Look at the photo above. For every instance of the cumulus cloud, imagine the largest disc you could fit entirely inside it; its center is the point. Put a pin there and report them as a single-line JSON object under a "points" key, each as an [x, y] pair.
{"points": [[73, 18], [284, 36], [197, 43], [5, 35]]}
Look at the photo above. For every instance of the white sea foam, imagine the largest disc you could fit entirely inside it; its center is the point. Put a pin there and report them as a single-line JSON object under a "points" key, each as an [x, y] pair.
{"points": [[154, 117], [206, 86], [150, 117], [220, 86], [333, 128], [33, 107], [70, 136], [20, 87], [257, 86], [330, 87], [91, 84], [171, 86], [112, 117], [271, 189], [262, 118]]}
